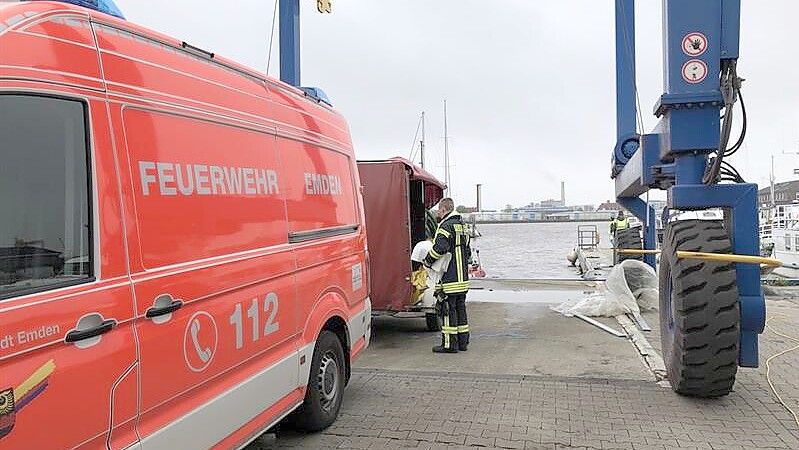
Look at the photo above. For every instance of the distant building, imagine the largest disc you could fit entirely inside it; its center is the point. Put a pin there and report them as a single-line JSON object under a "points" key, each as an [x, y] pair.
{"points": [[610, 206], [552, 204], [784, 194], [553, 211], [582, 216]]}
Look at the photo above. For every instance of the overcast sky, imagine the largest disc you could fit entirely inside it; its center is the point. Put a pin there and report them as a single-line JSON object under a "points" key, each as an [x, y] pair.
{"points": [[529, 84]]}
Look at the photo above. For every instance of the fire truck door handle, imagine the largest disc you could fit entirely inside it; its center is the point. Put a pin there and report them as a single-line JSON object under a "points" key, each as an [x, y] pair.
{"points": [[161, 311], [80, 335]]}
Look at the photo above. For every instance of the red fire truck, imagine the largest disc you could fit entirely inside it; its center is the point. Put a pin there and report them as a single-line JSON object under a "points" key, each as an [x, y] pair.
{"points": [[182, 245]]}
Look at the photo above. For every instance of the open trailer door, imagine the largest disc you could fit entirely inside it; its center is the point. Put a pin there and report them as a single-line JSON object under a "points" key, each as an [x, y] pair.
{"points": [[397, 196], [385, 201]]}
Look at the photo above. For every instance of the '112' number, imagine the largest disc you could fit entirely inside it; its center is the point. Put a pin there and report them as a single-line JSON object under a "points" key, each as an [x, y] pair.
{"points": [[269, 307]]}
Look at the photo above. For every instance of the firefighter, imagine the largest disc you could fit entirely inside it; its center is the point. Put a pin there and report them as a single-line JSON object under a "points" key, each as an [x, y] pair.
{"points": [[451, 237]]}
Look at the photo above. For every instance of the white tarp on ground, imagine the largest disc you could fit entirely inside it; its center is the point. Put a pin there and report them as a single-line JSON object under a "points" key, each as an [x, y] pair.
{"points": [[631, 287]]}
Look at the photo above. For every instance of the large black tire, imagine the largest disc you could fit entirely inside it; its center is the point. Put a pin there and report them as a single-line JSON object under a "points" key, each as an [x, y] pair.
{"points": [[325, 385], [628, 238], [433, 324], [699, 312]]}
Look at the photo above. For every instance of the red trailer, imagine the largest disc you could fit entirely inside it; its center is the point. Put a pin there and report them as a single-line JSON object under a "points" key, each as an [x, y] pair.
{"points": [[397, 195]]}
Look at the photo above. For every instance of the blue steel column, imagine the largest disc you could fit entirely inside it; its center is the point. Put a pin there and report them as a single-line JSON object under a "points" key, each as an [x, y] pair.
{"points": [[746, 240], [690, 114], [625, 68], [626, 112], [290, 42], [646, 214]]}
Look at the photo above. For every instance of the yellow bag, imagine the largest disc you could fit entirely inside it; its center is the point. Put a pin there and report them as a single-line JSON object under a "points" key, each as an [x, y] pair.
{"points": [[419, 282]]}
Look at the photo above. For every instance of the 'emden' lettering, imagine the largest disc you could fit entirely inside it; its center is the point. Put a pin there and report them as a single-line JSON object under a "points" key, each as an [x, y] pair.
{"points": [[322, 184], [165, 178]]}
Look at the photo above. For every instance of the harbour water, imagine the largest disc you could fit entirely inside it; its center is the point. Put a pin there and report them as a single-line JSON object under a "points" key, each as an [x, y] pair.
{"points": [[531, 250]]}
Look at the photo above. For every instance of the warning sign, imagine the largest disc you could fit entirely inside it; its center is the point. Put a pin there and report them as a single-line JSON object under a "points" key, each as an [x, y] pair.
{"points": [[694, 44], [694, 71]]}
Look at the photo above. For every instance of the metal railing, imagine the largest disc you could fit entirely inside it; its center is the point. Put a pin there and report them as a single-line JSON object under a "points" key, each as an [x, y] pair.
{"points": [[781, 217], [587, 237]]}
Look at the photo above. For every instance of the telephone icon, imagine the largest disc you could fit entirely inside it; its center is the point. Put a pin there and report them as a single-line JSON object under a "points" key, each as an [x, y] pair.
{"points": [[203, 353], [200, 341]]}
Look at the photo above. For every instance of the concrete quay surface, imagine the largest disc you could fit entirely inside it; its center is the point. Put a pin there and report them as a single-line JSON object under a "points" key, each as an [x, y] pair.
{"points": [[535, 379]]}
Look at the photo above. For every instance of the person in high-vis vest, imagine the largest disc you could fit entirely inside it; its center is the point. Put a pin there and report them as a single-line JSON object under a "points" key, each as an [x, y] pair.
{"points": [[451, 237], [621, 223]]}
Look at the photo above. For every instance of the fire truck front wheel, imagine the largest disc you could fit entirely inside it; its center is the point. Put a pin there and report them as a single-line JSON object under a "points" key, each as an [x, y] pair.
{"points": [[325, 385]]}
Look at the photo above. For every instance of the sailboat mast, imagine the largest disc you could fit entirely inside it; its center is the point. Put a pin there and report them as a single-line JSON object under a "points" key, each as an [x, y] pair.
{"points": [[446, 150], [773, 207], [421, 143], [771, 180]]}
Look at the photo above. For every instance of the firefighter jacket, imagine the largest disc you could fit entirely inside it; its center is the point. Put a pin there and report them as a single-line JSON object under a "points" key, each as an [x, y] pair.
{"points": [[452, 237]]}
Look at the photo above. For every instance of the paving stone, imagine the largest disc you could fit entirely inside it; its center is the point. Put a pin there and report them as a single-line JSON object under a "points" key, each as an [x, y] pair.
{"points": [[505, 443], [392, 409], [450, 438], [479, 441], [422, 436]]}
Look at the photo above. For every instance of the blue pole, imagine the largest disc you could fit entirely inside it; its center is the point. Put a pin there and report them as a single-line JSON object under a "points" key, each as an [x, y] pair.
{"points": [[646, 214], [625, 68], [290, 42], [626, 112]]}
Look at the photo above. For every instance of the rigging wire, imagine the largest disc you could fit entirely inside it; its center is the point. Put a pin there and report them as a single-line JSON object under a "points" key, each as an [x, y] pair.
{"points": [[271, 38], [412, 153]]}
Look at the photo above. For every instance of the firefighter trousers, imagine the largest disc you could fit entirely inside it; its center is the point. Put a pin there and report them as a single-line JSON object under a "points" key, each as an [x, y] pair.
{"points": [[455, 324]]}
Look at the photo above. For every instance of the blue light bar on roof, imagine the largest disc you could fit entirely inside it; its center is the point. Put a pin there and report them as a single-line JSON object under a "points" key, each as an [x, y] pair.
{"points": [[104, 6]]}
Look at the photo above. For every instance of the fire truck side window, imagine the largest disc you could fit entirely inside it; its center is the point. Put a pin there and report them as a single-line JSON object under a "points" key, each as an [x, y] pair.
{"points": [[45, 225]]}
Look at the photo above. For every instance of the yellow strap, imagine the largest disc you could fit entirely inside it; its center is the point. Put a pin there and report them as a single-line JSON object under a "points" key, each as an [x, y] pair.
{"points": [[720, 257], [726, 257], [636, 251]]}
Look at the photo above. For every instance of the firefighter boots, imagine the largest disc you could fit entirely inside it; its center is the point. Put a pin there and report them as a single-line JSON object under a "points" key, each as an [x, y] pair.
{"points": [[442, 349]]}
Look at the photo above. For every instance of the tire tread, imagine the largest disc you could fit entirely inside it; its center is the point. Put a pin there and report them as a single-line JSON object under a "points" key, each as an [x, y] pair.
{"points": [[701, 354], [628, 238]]}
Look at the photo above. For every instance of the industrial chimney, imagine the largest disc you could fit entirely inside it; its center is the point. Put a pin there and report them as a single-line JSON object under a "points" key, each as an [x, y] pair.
{"points": [[563, 193], [479, 198]]}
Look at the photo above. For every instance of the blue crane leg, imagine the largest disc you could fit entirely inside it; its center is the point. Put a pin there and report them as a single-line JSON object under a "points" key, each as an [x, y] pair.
{"points": [[646, 214], [740, 200], [699, 37], [290, 42], [625, 68], [626, 112]]}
